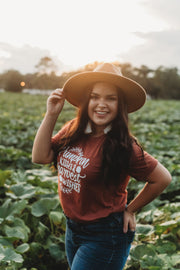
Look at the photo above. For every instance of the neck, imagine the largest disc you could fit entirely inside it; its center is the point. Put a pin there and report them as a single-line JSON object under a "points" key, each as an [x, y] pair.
{"points": [[98, 134]]}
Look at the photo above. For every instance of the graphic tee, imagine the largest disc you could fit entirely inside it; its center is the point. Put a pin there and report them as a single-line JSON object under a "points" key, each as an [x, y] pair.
{"points": [[83, 196]]}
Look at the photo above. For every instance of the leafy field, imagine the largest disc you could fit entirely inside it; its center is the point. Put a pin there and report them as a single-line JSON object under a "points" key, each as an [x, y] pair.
{"points": [[32, 224]]}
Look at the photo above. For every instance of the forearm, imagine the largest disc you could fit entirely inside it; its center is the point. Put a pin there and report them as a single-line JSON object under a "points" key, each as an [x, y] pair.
{"points": [[157, 182], [146, 195], [42, 151]]}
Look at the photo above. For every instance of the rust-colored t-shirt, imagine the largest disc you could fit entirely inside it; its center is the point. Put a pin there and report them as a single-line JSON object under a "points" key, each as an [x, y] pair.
{"points": [[83, 195]]}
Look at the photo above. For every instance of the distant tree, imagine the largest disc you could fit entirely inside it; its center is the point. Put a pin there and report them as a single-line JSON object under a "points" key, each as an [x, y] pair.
{"points": [[12, 81], [143, 77], [143, 71], [127, 70], [46, 66], [1, 81], [160, 83], [29, 79], [166, 83]]}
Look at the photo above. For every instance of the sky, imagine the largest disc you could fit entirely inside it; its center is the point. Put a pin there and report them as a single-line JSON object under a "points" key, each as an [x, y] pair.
{"points": [[77, 32]]}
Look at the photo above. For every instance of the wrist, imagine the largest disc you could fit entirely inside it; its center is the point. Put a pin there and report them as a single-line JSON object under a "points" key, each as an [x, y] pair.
{"points": [[129, 210], [51, 116]]}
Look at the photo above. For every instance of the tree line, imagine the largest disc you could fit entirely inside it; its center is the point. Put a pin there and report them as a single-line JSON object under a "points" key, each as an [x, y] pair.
{"points": [[160, 83]]}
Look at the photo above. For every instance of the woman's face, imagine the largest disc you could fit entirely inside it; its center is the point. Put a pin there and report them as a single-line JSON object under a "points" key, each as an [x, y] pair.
{"points": [[103, 105]]}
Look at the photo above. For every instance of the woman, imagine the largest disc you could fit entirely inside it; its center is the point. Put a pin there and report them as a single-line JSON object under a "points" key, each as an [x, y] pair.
{"points": [[95, 155]]}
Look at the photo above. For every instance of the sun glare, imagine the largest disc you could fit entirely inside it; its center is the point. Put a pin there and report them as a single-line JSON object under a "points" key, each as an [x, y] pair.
{"points": [[105, 35], [79, 32], [22, 84]]}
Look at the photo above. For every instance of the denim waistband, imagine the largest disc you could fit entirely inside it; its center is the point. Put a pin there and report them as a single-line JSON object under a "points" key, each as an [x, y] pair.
{"points": [[114, 220], [116, 215]]}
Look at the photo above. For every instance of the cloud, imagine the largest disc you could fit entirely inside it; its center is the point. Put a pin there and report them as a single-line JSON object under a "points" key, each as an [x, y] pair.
{"points": [[159, 48], [166, 10], [24, 59]]}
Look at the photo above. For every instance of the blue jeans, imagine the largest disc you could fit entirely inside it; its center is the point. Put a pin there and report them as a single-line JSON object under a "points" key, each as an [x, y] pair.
{"points": [[100, 245]]}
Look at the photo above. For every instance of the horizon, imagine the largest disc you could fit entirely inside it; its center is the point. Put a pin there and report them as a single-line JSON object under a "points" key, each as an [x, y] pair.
{"points": [[74, 34]]}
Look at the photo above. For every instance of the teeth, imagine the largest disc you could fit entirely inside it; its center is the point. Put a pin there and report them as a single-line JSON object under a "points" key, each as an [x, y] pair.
{"points": [[101, 113]]}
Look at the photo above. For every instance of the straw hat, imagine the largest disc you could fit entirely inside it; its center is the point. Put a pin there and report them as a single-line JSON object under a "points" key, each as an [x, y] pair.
{"points": [[77, 86]]}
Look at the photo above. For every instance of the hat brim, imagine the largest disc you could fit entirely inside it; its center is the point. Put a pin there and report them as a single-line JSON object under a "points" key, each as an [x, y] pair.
{"points": [[76, 86]]}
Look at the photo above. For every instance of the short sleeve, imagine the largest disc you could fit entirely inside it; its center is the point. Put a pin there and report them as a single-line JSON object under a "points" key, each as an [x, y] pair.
{"points": [[141, 164], [57, 137]]}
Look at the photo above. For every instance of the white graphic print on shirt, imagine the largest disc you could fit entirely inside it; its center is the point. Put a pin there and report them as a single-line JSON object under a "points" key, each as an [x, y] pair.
{"points": [[71, 162]]}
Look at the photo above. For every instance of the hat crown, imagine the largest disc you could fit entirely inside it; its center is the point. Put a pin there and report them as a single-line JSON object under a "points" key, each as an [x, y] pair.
{"points": [[108, 68], [77, 86]]}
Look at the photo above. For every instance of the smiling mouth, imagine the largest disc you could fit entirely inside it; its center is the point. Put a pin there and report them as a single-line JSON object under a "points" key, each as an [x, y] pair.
{"points": [[100, 113]]}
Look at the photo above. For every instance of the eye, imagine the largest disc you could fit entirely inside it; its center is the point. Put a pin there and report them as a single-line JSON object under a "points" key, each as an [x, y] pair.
{"points": [[93, 97], [112, 98]]}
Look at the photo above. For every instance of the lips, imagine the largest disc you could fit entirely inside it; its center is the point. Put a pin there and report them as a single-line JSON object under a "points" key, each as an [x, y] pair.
{"points": [[101, 112]]}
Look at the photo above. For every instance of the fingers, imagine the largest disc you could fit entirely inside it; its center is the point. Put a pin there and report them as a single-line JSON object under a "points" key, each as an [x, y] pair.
{"points": [[129, 222], [132, 226], [58, 93], [129, 226], [125, 226], [55, 102]]}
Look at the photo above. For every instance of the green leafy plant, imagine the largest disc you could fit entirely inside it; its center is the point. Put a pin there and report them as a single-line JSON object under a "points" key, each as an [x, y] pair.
{"points": [[32, 224]]}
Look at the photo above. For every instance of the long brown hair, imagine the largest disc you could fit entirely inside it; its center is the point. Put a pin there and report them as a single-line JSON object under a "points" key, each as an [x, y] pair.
{"points": [[117, 147]]}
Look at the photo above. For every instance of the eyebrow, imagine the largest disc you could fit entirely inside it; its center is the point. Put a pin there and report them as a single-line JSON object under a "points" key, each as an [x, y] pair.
{"points": [[110, 95]]}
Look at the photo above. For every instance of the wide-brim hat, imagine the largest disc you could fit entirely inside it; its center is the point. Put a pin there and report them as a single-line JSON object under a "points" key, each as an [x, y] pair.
{"points": [[77, 86]]}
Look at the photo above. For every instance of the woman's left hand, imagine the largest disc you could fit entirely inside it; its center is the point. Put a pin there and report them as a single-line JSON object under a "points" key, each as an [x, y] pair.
{"points": [[129, 221]]}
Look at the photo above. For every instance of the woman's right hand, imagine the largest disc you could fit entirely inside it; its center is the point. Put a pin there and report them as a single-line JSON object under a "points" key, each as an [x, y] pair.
{"points": [[55, 102]]}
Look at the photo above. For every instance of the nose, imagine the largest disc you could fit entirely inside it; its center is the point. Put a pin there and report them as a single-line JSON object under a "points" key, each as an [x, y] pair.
{"points": [[101, 103]]}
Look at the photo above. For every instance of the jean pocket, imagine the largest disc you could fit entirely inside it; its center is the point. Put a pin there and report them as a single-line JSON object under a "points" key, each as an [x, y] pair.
{"points": [[130, 236], [118, 217]]}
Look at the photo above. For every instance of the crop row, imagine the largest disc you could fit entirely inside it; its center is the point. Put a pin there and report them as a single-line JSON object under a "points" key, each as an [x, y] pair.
{"points": [[32, 224]]}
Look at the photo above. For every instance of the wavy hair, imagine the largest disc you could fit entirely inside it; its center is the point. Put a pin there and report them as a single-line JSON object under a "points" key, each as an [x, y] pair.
{"points": [[117, 147]]}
